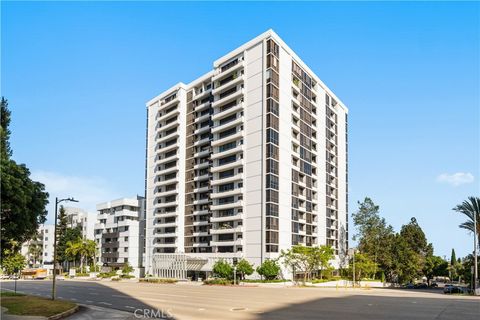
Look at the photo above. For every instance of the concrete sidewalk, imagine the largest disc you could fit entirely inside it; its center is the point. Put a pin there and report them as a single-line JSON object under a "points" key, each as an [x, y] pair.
{"points": [[90, 312], [85, 312]]}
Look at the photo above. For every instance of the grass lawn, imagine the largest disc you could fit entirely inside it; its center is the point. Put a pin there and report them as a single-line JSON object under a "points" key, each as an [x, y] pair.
{"points": [[24, 305]]}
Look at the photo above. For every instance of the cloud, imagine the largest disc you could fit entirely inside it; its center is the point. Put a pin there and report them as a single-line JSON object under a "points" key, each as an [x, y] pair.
{"points": [[87, 190], [456, 179]]}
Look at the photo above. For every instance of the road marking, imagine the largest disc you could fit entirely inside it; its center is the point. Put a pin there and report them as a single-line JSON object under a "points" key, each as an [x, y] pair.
{"points": [[129, 307], [106, 303]]}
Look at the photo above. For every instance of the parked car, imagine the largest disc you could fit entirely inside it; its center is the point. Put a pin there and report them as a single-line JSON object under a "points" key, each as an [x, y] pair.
{"points": [[453, 289], [434, 285], [409, 286], [421, 286]]}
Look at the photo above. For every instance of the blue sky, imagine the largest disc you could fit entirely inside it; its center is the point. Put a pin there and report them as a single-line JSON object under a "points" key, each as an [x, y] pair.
{"points": [[77, 76]]}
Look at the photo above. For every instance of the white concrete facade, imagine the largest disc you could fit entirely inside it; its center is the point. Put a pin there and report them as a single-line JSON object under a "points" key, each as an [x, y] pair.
{"points": [[247, 160], [44, 240], [119, 233], [79, 218]]}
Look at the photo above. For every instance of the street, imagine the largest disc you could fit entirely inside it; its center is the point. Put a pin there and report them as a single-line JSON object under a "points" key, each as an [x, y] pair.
{"points": [[183, 301]]}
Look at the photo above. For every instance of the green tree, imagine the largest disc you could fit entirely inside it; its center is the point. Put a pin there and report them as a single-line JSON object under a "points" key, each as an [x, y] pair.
{"points": [[453, 258], [13, 263], [244, 268], [470, 208], [23, 200], [35, 249], [298, 259], [375, 237], [364, 266], [269, 269], [322, 256], [407, 264], [435, 266], [71, 234], [223, 269]]}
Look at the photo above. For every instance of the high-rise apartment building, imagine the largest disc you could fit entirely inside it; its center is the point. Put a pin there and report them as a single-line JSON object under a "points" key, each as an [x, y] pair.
{"points": [[79, 218], [38, 251], [119, 233], [247, 160]]}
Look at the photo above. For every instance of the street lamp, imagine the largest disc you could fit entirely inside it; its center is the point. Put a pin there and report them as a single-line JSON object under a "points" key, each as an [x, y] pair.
{"points": [[352, 253], [57, 201], [475, 263]]}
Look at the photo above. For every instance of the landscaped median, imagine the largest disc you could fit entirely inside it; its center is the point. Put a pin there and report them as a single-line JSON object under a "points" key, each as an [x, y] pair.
{"points": [[25, 305]]}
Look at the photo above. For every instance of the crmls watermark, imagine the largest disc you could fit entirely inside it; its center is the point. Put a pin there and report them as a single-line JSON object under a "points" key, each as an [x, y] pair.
{"points": [[153, 313]]}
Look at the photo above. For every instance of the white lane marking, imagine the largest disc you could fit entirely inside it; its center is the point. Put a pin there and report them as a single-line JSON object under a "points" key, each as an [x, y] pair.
{"points": [[105, 303], [128, 307]]}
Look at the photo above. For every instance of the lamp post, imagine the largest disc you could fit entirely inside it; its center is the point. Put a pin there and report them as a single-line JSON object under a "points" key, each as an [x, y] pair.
{"points": [[352, 253], [475, 263], [57, 201]]}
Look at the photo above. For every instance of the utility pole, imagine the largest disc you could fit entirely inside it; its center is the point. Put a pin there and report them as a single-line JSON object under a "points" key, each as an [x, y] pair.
{"points": [[475, 263]]}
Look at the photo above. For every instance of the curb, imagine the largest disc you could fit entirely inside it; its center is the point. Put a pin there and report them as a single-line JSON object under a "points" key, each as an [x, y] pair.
{"points": [[64, 313]]}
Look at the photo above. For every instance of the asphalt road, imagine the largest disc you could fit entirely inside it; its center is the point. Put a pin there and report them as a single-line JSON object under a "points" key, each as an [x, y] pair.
{"points": [[215, 302]]}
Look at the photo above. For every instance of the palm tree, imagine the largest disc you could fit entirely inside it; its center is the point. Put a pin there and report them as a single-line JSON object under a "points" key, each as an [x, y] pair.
{"points": [[470, 208], [72, 250]]}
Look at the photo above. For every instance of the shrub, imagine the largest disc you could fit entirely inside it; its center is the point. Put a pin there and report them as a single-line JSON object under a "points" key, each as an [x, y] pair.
{"points": [[81, 274], [269, 269], [127, 276], [264, 281], [116, 279], [158, 280], [218, 281], [244, 268], [223, 269], [127, 269], [107, 274]]}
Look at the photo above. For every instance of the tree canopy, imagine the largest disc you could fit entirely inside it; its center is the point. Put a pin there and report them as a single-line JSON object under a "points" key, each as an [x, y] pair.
{"points": [[23, 200]]}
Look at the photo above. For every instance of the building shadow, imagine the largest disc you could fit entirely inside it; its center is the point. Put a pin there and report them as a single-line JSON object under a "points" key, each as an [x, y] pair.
{"points": [[91, 293], [369, 307]]}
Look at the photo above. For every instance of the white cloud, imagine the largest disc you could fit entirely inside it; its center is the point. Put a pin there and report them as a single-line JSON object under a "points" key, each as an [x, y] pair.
{"points": [[87, 190], [456, 179]]}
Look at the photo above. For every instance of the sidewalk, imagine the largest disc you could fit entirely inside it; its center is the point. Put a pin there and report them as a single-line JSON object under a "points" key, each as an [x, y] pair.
{"points": [[84, 313], [89, 312]]}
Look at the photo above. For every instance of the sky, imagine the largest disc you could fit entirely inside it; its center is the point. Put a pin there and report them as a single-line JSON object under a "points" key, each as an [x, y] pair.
{"points": [[78, 75]]}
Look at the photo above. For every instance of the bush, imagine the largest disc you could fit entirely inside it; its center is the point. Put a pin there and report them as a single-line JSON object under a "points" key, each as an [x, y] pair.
{"points": [[127, 276], [244, 268], [269, 269], [264, 281], [223, 269], [107, 274], [80, 274], [158, 280], [116, 279], [218, 281]]}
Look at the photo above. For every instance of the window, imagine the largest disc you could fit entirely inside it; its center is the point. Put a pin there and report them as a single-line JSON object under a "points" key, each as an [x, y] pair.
{"points": [[226, 187], [272, 106], [272, 136], [226, 160], [226, 200], [227, 133], [227, 146], [272, 77], [271, 209], [272, 47], [228, 119], [272, 223], [272, 121], [226, 174], [271, 237], [125, 249], [272, 182], [228, 106], [272, 91], [272, 166], [272, 151], [272, 196], [272, 62]]}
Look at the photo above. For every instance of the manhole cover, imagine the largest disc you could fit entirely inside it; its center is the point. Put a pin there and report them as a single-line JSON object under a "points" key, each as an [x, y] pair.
{"points": [[238, 309]]}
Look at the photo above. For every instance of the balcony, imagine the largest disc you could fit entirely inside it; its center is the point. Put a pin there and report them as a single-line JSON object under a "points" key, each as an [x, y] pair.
{"points": [[228, 98], [167, 170], [233, 192], [218, 181], [202, 153], [237, 163], [224, 126], [202, 94], [202, 118], [203, 177], [164, 245], [202, 142], [232, 137], [229, 84], [167, 137], [220, 114], [202, 165], [240, 64], [166, 148], [201, 201], [201, 189], [226, 230], [202, 130], [234, 217], [237, 242], [167, 126], [222, 154], [168, 115], [168, 159], [202, 106]]}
